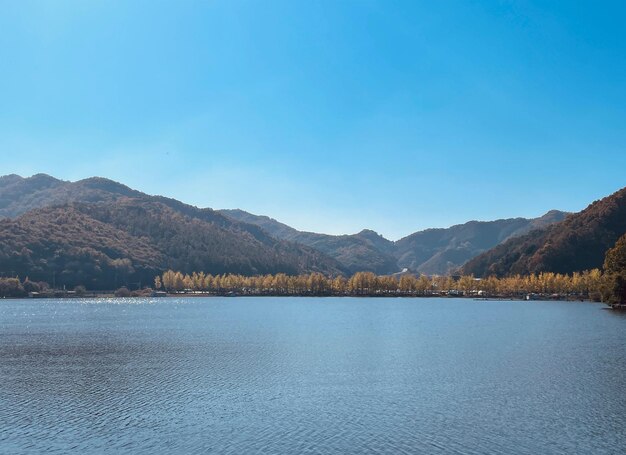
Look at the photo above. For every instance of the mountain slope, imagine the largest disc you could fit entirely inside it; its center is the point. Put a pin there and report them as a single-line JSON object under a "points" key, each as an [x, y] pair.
{"points": [[270, 225], [358, 252], [442, 251], [433, 251], [578, 243], [65, 246], [18, 195], [131, 240]]}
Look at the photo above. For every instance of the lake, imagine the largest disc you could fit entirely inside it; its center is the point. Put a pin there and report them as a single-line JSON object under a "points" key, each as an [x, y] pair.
{"points": [[311, 375]]}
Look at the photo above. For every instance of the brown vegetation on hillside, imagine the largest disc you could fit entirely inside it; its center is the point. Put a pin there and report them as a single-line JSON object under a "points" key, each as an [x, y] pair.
{"points": [[107, 245], [578, 243]]}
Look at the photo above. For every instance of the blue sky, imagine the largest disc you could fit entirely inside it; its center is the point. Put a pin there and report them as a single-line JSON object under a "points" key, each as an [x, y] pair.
{"points": [[331, 116]]}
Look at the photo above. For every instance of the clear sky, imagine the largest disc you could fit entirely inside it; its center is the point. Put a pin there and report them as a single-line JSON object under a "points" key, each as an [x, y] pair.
{"points": [[331, 116]]}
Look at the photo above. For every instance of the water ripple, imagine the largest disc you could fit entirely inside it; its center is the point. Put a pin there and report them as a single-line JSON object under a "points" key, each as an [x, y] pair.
{"points": [[343, 376]]}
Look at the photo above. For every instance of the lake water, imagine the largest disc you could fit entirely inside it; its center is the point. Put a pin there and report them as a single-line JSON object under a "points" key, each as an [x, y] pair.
{"points": [[306, 375]]}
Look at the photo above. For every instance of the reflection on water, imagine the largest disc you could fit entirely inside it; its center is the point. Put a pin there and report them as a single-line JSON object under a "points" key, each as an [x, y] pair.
{"points": [[298, 375]]}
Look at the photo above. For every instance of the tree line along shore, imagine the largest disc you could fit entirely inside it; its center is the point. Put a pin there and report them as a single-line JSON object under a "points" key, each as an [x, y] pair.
{"points": [[589, 285], [607, 285], [586, 284]]}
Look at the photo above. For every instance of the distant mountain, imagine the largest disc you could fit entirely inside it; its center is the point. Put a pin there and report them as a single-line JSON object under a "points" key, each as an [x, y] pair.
{"points": [[357, 252], [439, 251], [101, 234], [433, 251], [234, 240], [578, 243], [19, 195]]}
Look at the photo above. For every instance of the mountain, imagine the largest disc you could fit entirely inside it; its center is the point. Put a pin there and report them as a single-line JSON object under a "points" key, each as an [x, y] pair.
{"points": [[131, 240], [578, 243], [433, 251], [269, 225], [357, 252], [236, 241], [439, 251], [100, 233], [19, 195]]}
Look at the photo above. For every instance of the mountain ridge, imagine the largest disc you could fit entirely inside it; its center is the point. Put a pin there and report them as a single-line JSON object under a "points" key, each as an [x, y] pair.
{"points": [[577, 243], [110, 222], [431, 251]]}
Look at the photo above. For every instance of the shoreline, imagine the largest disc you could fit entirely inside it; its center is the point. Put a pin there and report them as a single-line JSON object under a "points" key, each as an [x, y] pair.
{"points": [[111, 295]]}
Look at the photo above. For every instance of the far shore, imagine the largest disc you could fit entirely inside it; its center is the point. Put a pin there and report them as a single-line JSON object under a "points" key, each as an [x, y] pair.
{"points": [[71, 295]]}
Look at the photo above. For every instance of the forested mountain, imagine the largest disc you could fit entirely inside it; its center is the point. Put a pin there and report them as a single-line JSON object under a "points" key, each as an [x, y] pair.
{"points": [[444, 250], [115, 239], [578, 243], [19, 195], [433, 251], [130, 241], [216, 241], [66, 246], [357, 252]]}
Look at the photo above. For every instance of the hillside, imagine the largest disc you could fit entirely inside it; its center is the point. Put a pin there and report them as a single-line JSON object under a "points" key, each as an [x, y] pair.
{"points": [[357, 252], [130, 240], [18, 195], [433, 251], [578, 243], [444, 250], [64, 246]]}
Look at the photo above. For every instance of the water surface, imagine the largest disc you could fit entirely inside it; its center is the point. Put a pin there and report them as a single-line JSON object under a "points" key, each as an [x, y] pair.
{"points": [[306, 375]]}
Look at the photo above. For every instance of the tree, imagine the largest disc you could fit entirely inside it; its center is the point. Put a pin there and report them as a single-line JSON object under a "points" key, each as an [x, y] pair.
{"points": [[615, 259], [615, 271], [11, 287], [123, 269], [122, 292], [30, 286], [187, 283], [179, 283], [408, 284], [80, 290], [339, 285]]}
